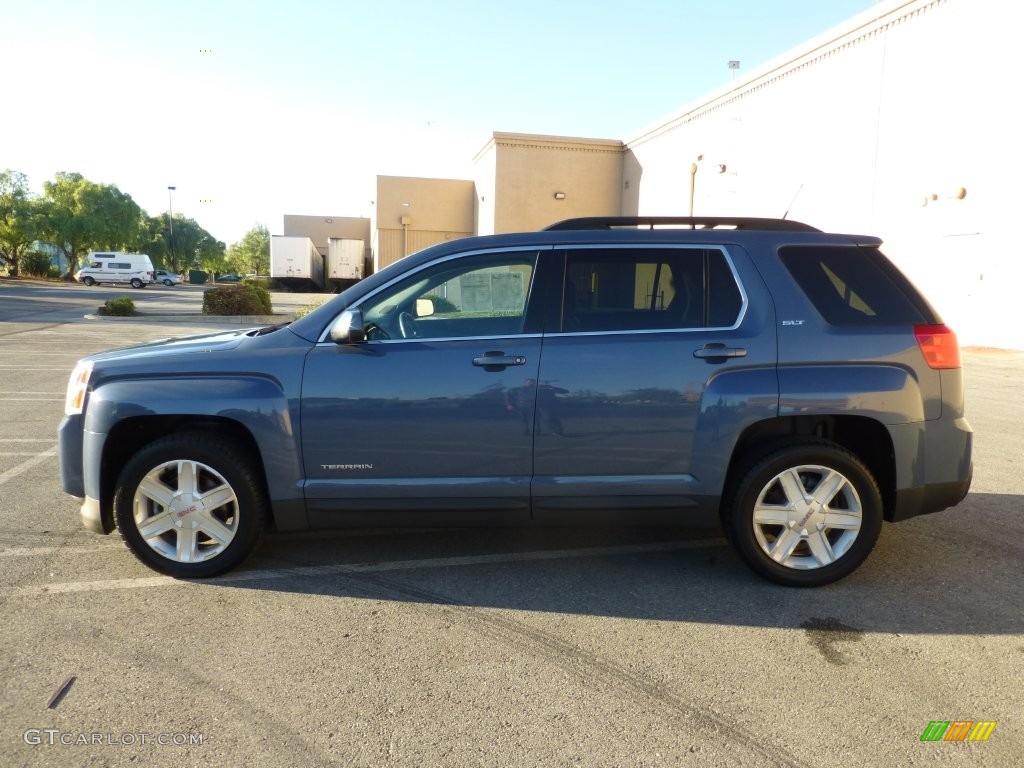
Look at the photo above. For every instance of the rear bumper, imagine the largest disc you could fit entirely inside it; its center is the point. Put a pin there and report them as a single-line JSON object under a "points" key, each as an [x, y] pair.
{"points": [[933, 467], [911, 502]]}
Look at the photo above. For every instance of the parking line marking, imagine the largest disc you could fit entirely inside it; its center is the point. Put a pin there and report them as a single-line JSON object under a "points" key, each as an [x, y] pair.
{"points": [[341, 570], [30, 399], [26, 440], [43, 551], [25, 466]]}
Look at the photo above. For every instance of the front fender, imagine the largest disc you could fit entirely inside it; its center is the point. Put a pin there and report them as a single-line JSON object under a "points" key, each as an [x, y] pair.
{"points": [[257, 403]]}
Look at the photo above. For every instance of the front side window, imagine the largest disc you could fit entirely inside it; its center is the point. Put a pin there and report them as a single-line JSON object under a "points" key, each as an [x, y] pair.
{"points": [[649, 289], [472, 296]]}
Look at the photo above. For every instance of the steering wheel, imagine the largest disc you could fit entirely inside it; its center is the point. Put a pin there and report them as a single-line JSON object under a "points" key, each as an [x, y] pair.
{"points": [[407, 325]]}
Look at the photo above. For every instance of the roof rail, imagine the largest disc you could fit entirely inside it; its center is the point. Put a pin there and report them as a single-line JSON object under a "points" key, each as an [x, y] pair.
{"points": [[682, 222]]}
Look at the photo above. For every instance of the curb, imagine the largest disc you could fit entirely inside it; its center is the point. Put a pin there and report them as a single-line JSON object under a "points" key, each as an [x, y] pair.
{"points": [[208, 319]]}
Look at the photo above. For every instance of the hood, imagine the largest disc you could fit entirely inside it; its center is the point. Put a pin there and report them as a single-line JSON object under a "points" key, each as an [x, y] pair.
{"points": [[204, 343]]}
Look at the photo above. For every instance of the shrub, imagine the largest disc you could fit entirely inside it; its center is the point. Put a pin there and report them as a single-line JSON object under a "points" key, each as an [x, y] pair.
{"points": [[122, 306], [240, 299], [303, 311], [262, 282], [37, 264]]}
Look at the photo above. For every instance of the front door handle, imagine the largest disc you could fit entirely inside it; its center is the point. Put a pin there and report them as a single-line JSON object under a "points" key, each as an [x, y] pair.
{"points": [[496, 361], [712, 351]]}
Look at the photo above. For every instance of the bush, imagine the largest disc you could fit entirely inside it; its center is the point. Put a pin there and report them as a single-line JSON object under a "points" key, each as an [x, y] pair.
{"points": [[122, 306], [240, 299], [303, 311], [37, 264], [262, 282]]}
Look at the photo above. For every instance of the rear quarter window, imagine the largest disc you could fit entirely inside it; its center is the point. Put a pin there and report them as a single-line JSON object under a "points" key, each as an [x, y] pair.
{"points": [[855, 285]]}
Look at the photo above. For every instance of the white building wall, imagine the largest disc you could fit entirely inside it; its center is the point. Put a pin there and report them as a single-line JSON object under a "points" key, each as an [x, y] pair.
{"points": [[897, 124]]}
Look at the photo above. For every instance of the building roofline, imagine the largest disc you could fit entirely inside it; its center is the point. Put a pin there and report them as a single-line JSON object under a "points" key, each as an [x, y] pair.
{"points": [[860, 26]]}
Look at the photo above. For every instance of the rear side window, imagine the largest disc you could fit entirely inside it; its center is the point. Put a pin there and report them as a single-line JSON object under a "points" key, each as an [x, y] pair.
{"points": [[855, 285], [621, 289]]}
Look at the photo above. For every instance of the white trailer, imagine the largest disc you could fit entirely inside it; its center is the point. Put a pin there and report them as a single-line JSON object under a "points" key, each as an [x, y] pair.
{"points": [[296, 262], [344, 260]]}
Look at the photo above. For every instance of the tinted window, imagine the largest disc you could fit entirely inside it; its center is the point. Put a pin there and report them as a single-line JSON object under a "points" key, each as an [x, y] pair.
{"points": [[467, 297], [851, 285], [648, 289]]}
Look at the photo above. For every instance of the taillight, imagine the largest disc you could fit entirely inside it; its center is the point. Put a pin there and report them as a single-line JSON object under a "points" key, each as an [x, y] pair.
{"points": [[938, 345]]}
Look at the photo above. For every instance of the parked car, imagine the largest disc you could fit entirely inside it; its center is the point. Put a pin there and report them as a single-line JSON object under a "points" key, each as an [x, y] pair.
{"points": [[788, 384], [167, 278], [134, 269], [232, 278]]}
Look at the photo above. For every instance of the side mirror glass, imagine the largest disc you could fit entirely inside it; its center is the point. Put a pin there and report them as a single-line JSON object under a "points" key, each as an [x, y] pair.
{"points": [[348, 328], [424, 307]]}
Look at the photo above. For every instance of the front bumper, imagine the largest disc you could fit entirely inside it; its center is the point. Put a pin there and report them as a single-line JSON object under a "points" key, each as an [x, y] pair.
{"points": [[93, 519]]}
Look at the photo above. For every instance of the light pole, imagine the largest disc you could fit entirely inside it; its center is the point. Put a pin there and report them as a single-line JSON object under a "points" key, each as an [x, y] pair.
{"points": [[170, 222]]}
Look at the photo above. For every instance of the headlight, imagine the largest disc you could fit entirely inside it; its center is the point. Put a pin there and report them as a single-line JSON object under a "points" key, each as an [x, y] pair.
{"points": [[78, 385]]}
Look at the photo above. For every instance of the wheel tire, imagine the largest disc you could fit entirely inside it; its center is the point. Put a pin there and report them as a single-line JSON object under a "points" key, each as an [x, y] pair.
{"points": [[89, 282], [136, 283], [787, 535], [190, 504], [168, 283]]}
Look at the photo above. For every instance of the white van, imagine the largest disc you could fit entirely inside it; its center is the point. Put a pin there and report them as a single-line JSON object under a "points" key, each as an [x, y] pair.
{"points": [[136, 269]]}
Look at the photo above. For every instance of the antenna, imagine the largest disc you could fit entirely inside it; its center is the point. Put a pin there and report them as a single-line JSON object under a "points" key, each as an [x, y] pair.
{"points": [[798, 191]]}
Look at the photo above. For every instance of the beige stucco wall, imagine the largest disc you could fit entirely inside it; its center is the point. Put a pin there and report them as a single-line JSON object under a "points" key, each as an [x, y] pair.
{"points": [[413, 213], [519, 176], [896, 124]]}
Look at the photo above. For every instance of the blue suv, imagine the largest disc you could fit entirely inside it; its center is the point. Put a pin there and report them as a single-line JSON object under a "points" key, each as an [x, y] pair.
{"points": [[788, 384]]}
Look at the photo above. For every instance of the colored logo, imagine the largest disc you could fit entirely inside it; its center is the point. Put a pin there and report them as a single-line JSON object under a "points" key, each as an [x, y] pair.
{"points": [[958, 730]]}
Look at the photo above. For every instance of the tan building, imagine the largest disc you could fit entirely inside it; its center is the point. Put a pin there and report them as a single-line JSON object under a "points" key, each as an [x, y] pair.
{"points": [[526, 182], [412, 213]]}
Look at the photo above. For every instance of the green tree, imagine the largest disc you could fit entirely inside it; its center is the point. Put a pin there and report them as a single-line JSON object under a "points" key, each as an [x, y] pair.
{"points": [[19, 218], [152, 240], [193, 245], [252, 252], [81, 216]]}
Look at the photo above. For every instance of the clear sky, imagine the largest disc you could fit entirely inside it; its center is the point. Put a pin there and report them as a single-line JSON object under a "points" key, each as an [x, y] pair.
{"points": [[254, 109]]}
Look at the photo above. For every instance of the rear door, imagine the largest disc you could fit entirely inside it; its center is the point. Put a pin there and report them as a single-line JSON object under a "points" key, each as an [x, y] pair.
{"points": [[623, 419]]}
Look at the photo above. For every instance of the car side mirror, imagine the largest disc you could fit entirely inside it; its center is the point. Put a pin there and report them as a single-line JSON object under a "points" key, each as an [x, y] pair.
{"points": [[348, 328], [424, 307]]}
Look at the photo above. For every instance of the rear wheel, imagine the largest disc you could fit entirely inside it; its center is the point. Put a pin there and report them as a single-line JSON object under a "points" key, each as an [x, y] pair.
{"points": [[804, 515], [136, 283], [88, 281], [168, 282], [190, 505]]}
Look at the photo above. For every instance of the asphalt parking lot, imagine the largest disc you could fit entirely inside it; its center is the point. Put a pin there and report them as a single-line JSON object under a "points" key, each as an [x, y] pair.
{"points": [[626, 647]]}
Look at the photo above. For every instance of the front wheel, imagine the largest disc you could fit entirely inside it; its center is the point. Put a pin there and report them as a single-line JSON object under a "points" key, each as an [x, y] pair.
{"points": [[168, 283], [190, 505], [89, 282], [804, 515]]}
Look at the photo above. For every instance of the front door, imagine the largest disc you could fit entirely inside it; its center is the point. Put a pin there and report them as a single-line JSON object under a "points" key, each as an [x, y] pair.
{"points": [[433, 412]]}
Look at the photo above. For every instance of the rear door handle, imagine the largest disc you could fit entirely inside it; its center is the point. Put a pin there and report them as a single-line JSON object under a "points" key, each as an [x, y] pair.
{"points": [[719, 351], [495, 361]]}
